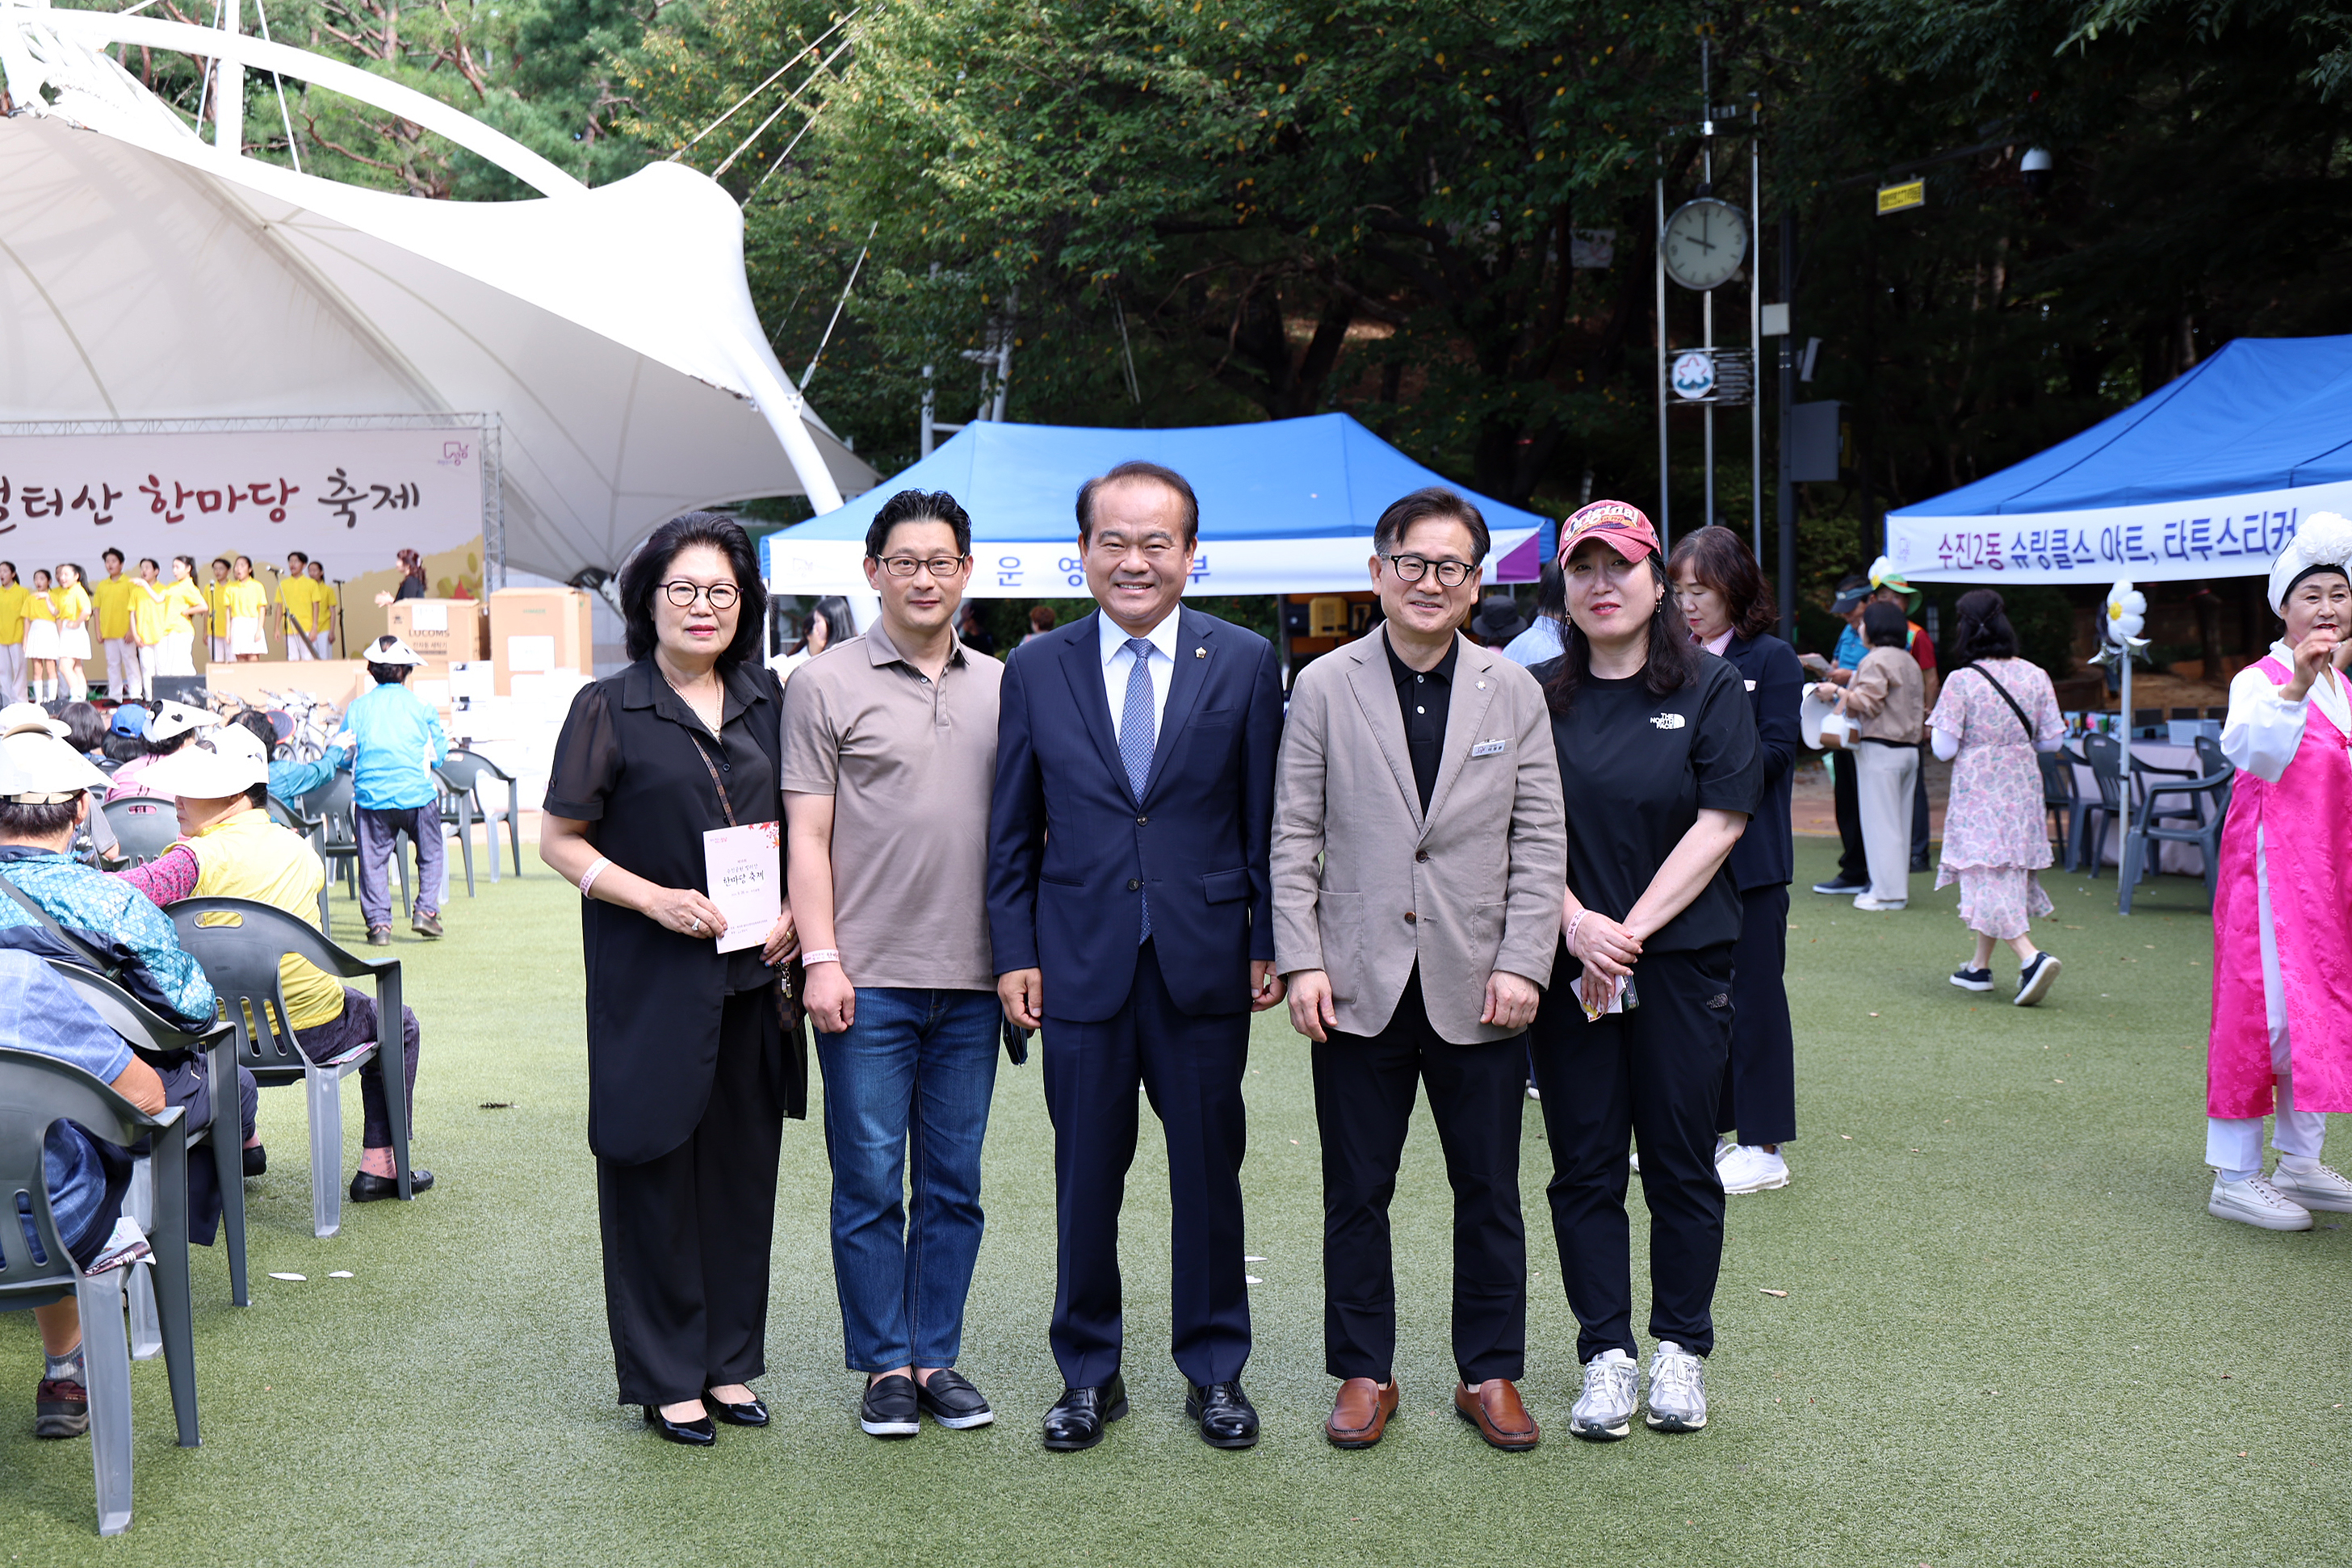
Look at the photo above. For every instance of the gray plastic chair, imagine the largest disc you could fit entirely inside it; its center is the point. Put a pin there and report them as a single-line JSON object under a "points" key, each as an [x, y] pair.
{"points": [[475, 773], [240, 957], [2105, 756], [35, 1092], [2181, 824], [145, 1029], [2063, 798], [338, 846], [454, 803], [315, 830], [144, 826]]}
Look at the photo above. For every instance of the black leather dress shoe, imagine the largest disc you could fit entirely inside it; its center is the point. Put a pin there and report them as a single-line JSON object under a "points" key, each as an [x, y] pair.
{"points": [[367, 1189], [950, 1399], [1227, 1418], [693, 1434], [754, 1414], [1078, 1418], [257, 1159]]}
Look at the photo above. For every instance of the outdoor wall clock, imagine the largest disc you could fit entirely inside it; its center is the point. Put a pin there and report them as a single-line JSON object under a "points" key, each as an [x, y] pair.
{"points": [[1706, 241]]}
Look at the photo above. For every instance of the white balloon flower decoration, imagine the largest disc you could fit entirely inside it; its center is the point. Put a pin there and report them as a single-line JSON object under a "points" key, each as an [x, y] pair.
{"points": [[2127, 615]]}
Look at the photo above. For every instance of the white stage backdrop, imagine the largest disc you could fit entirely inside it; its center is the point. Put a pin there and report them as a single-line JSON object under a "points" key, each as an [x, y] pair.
{"points": [[347, 491], [2228, 536], [1050, 569]]}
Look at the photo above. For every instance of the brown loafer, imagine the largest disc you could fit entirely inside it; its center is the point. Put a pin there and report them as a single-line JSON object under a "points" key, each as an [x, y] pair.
{"points": [[1497, 1414], [1362, 1413]]}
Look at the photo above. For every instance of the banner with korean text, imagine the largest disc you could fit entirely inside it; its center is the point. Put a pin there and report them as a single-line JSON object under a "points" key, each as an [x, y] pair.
{"points": [[2226, 536], [348, 490]]}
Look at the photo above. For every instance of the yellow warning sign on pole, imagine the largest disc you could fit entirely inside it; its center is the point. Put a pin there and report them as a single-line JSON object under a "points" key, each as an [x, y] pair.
{"points": [[1903, 197]]}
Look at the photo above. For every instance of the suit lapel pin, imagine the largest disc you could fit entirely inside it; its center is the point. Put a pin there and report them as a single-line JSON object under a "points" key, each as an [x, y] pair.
{"points": [[1200, 653], [1482, 686]]}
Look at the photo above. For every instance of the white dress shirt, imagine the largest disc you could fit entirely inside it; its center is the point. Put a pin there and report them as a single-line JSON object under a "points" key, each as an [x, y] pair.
{"points": [[1118, 660], [2264, 731]]}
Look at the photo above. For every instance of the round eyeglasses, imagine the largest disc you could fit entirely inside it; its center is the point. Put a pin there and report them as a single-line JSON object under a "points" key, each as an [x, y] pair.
{"points": [[683, 594], [1411, 568]]}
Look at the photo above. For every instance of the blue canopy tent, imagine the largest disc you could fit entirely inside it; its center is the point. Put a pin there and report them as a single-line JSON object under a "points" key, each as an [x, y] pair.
{"points": [[1286, 506], [2207, 477]]}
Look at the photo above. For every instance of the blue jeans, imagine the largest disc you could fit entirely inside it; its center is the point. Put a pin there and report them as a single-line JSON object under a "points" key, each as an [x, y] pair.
{"points": [[916, 1070]]}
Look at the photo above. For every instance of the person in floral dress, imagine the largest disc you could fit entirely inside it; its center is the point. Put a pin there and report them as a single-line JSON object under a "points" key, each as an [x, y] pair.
{"points": [[1995, 713]]}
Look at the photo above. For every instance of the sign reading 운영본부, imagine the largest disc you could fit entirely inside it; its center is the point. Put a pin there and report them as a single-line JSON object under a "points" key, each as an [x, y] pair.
{"points": [[334, 493]]}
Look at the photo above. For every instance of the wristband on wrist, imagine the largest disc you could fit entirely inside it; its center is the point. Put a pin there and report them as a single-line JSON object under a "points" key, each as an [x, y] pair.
{"points": [[1571, 939], [588, 877], [820, 955]]}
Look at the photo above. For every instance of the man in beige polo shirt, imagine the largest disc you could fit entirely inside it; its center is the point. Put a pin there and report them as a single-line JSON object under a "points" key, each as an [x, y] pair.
{"points": [[890, 750]]}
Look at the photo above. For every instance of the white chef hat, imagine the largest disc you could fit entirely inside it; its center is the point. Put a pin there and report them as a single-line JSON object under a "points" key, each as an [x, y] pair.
{"points": [[2324, 542]]}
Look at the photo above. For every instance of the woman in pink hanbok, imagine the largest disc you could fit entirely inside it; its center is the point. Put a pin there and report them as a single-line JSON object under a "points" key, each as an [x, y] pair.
{"points": [[2282, 1036]]}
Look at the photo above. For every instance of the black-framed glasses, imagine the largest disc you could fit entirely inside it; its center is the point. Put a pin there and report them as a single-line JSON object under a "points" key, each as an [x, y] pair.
{"points": [[1412, 568], [940, 567], [683, 594]]}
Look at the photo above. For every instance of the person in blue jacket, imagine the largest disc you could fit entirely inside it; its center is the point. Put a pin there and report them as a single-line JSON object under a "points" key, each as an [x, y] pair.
{"points": [[398, 741]]}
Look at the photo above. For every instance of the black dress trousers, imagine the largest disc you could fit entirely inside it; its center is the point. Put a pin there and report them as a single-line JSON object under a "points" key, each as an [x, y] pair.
{"points": [[1364, 1088], [1656, 1071], [686, 1232], [1190, 1066], [1759, 1079]]}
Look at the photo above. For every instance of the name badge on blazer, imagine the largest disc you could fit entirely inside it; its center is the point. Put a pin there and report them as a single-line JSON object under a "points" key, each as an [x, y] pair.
{"points": [[1490, 748]]}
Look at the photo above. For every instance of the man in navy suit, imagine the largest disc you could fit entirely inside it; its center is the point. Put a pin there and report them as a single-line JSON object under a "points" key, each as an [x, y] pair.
{"points": [[1130, 914]]}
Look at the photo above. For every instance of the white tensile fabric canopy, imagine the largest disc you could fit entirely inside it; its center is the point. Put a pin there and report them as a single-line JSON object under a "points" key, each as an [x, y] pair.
{"points": [[145, 275]]}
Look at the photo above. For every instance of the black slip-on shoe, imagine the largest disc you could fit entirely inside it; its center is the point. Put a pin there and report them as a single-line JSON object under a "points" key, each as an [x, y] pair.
{"points": [[888, 1409], [693, 1434], [368, 1189], [950, 1399], [257, 1161]]}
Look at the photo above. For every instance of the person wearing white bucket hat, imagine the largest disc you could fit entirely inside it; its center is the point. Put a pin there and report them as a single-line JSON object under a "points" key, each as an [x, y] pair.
{"points": [[230, 849], [168, 729], [398, 742], [2281, 1034], [44, 803]]}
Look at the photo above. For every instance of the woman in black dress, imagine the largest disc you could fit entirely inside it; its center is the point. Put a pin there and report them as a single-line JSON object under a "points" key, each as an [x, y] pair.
{"points": [[691, 1066], [1658, 763]]}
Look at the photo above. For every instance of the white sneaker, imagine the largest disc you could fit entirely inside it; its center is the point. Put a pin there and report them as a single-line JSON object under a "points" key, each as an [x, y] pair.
{"points": [[2319, 1188], [1869, 905], [1677, 1390], [1747, 1168], [1533, 1092], [1604, 1411], [1633, 1161], [2257, 1202]]}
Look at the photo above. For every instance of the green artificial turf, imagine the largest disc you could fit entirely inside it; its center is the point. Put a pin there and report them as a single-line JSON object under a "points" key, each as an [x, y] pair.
{"points": [[2010, 1332]]}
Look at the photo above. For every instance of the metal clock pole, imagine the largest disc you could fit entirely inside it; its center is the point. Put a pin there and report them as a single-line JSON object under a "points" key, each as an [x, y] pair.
{"points": [[1707, 299], [1756, 324], [1665, 487]]}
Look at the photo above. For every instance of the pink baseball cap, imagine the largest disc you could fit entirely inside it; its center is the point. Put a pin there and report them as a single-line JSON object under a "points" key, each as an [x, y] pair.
{"points": [[1621, 523]]}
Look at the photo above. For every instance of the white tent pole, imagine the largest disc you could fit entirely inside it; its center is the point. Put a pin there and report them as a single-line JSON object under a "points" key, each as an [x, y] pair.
{"points": [[228, 97]]}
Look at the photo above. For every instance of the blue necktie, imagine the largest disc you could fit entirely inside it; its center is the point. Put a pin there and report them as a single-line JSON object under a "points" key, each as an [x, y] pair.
{"points": [[1136, 740]]}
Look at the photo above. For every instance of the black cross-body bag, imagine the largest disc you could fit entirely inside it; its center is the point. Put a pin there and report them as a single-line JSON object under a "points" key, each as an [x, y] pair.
{"points": [[2005, 697]]}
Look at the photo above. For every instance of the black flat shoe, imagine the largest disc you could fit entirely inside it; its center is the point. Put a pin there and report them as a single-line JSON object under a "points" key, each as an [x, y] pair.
{"points": [[754, 1414], [1078, 1418], [1227, 1418], [889, 1409], [257, 1161], [367, 1189], [950, 1400], [693, 1434]]}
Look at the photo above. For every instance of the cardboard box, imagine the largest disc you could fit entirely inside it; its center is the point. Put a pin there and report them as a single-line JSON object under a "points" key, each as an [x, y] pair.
{"points": [[534, 631], [440, 629]]}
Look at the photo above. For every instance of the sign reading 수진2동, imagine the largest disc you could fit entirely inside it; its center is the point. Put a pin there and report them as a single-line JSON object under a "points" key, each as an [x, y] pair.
{"points": [[2226, 536], [71, 492]]}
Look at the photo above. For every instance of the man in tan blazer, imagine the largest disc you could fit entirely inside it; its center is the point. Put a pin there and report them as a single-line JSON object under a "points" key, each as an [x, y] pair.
{"points": [[1419, 857]]}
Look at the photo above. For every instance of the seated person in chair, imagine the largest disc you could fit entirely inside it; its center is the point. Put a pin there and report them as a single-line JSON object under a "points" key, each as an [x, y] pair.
{"points": [[43, 801], [291, 781], [166, 731], [230, 849], [85, 1177]]}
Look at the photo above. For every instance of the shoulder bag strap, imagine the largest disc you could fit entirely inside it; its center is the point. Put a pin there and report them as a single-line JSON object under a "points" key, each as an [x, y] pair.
{"points": [[2030, 736]]}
